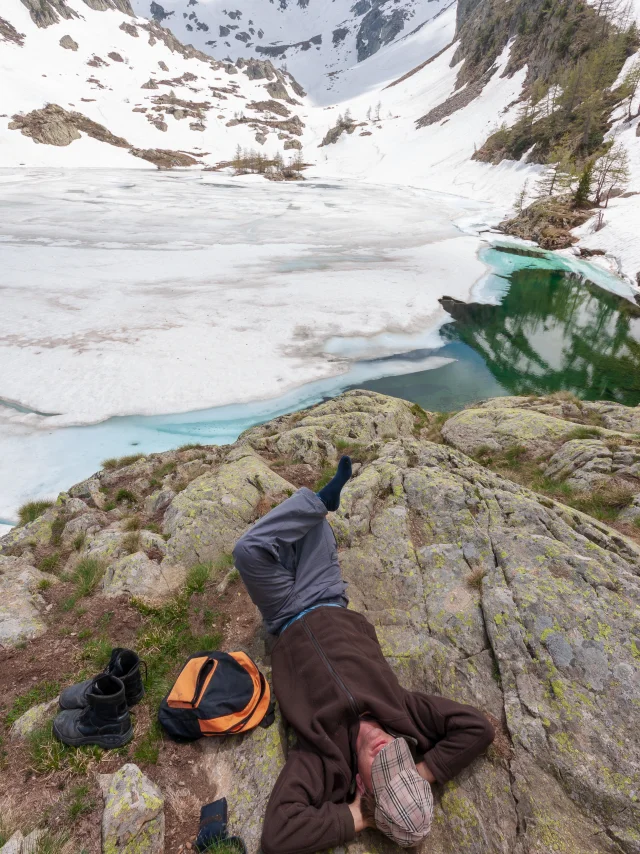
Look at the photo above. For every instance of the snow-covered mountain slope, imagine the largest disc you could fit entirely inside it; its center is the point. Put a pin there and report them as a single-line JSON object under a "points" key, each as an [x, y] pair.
{"points": [[136, 80], [315, 38], [396, 72]]}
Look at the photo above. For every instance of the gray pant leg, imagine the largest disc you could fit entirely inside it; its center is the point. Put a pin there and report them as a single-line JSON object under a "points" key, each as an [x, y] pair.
{"points": [[289, 561]]}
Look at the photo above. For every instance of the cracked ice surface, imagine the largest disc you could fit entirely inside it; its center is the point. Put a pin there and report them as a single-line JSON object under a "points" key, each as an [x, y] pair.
{"points": [[141, 293], [163, 292]]}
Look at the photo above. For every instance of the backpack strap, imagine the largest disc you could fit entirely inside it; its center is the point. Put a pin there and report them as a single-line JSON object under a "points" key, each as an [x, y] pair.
{"points": [[269, 716]]}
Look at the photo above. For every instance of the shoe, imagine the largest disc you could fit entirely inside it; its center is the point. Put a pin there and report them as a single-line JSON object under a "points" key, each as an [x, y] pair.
{"points": [[103, 721], [125, 664]]}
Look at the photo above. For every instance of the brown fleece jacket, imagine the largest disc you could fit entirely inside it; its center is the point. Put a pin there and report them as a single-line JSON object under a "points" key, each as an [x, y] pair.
{"points": [[328, 670]]}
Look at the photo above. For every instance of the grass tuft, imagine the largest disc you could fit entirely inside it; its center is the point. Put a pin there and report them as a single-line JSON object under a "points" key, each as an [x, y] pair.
{"points": [[50, 563], [474, 579], [57, 527], [47, 754], [132, 523], [81, 802], [30, 511], [148, 748], [326, 473], [87, 575], [79, 540], [131, 543], [96, 653], [197, 578], [123, 495], [121, 462], [163, 471], [190, 446], [223, 562], [583, 433]]}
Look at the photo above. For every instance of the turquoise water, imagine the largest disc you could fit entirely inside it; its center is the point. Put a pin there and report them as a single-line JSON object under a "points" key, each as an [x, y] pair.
{"points": [[552, 331]]}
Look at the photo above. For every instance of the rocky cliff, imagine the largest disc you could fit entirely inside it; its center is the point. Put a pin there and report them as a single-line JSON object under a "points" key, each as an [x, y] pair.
{"points": [[523, 601]]}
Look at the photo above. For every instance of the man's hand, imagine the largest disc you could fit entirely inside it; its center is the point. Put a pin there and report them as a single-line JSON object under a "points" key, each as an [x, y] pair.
{"points": [[424, 772], [355, 807]]}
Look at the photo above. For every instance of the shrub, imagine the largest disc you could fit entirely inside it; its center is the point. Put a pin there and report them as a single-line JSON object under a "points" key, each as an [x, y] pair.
{"points": [[30, 511]]}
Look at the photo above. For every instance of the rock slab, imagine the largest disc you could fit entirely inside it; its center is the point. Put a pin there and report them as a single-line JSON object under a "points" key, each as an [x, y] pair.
{"points": [[133, 818]]}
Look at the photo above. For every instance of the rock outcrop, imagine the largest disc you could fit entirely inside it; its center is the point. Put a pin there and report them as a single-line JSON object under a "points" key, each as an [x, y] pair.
{"points": [[68, 43], [34, 719], [21, 605], [133, 818], [479, 587]]}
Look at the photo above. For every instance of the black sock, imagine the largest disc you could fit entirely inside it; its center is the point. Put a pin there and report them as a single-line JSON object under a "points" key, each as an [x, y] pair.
{"points": [[330, 494]]}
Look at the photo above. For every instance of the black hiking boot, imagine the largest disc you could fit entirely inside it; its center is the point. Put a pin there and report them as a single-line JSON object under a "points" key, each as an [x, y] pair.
{"points": [[103, 721], [124, 664]]}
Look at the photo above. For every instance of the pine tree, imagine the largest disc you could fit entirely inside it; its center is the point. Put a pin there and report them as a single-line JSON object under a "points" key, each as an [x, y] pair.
{"points": [[583, 190], [378, 108], [521, 198], [369, 113], [237, 158]]}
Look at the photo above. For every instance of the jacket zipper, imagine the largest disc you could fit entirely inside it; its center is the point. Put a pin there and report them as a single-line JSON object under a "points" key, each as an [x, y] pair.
{"points": [[330, 668], [349, 695]]}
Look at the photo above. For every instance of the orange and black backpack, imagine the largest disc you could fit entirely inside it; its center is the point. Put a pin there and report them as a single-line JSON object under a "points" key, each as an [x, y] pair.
{"points": [[217, 693]]}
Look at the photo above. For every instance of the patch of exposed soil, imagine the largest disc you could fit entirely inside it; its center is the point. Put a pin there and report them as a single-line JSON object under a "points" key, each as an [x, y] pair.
{"points": [[298, 474], [57, 656]]}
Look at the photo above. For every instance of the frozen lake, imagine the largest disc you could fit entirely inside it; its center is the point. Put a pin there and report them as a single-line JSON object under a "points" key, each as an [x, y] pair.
{"points": [[127, 296]]}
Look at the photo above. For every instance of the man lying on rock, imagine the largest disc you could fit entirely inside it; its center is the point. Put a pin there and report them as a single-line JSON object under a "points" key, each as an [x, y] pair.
{"points": [[367, 749]]}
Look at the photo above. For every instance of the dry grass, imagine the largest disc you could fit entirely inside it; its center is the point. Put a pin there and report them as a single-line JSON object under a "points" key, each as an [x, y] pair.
{"points": [[474, 579]]}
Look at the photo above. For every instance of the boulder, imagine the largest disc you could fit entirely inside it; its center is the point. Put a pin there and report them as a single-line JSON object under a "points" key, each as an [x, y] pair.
{"points": [[502, 428], [19, 844], [139, 576], [582, 463], [33, 719], [632, 512], [36, 533], [205, 519], [133, 817], [68, 43], [89, 523], [20, 603]]}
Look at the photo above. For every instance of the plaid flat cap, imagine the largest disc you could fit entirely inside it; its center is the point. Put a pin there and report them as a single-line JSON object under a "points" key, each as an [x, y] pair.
{"points": [[404, 803]]}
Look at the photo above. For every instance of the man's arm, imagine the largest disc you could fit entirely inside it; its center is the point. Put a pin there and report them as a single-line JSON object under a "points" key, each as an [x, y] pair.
{"points": [[297, 821], [461, 734]]}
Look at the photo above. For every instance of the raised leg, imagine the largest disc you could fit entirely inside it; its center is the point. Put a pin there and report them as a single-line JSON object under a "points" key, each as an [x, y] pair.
{"points": [[288, 560]]}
